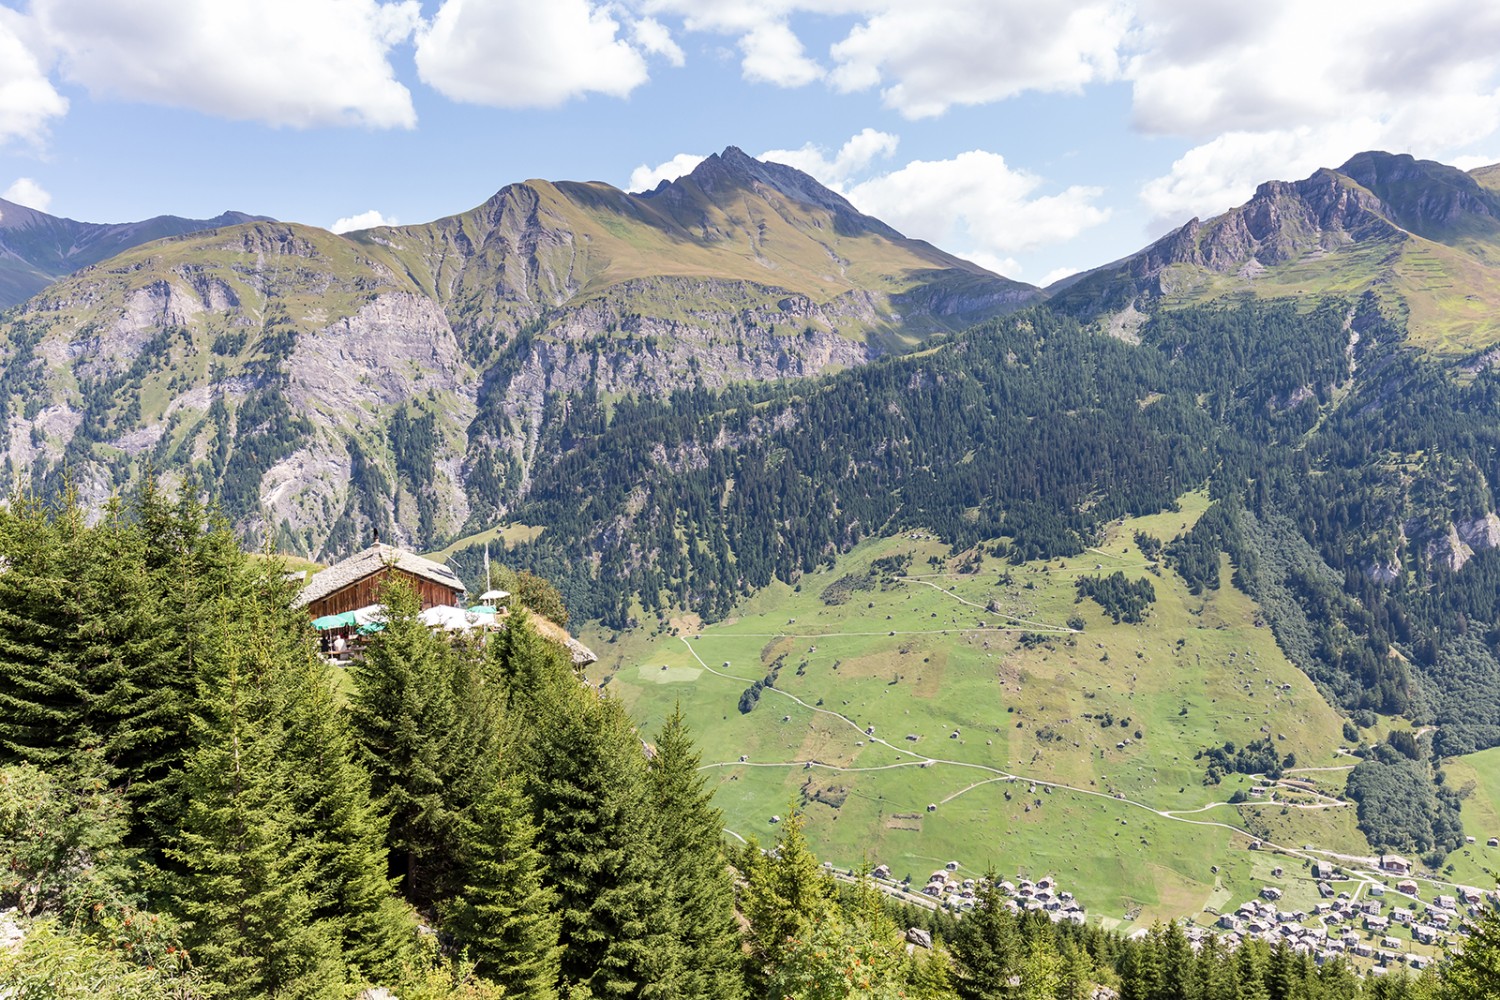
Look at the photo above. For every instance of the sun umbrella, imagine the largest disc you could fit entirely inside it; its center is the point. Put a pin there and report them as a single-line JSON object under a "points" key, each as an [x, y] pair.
{"points": [[494, 595], [342, 620], [446, 617]]}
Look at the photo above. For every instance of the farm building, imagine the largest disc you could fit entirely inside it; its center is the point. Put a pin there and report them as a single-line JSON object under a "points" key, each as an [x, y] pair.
{"points": [[355, 582]]}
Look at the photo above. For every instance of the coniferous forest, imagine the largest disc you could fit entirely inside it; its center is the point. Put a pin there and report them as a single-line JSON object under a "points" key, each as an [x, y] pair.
{"points": [[194, 805]]}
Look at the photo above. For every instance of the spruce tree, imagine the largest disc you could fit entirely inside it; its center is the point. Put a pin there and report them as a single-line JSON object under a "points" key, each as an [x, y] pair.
{"points": [[242, 884], [986, 946], [336, 819], [696, 875], [584, 771], [504, 918], [41, 691], [403, 716], [192, 563], [786, 892]]}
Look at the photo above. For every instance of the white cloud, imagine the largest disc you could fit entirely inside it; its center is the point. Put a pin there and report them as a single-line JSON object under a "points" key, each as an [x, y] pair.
{"points": [[930, 56], [774, 54], [1058, 274], [1474, 162], [300, 63], [518, 53], [852, 159], [975, 204], [1281, 87], [926, 56], [644, 178], [364, 220], [653, 38], [27, 98], [28, 192]]}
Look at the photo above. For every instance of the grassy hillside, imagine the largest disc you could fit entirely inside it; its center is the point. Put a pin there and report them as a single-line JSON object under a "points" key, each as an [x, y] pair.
{"points": [[1130, 830]]}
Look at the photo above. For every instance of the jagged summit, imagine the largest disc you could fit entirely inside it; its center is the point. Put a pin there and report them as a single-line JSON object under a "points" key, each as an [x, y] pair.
{"points": [[1406, 229], [734, 169]]}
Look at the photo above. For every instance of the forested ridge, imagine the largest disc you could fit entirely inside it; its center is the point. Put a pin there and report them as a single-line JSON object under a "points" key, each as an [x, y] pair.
{"points": [[1339, 460], [193, 805]]}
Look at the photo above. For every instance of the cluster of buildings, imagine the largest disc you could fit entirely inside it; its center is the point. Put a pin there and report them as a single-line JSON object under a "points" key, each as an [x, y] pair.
{"points": [[949, 890], [1341, 926]]}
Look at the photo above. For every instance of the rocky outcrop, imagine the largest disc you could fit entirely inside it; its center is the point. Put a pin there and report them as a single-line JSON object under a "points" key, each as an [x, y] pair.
{"points": [[1480, 533], [1448, 550]]}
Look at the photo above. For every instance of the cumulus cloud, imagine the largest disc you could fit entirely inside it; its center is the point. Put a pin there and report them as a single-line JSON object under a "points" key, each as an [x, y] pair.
{"points": [[925, 57], [299, 63], [1283, 87], [774, 54], [930, 56], [976, 203], [644, 177], [517, 53], [654, 39], [364, 220], [27, 98], [852, 159], [28, 192]]}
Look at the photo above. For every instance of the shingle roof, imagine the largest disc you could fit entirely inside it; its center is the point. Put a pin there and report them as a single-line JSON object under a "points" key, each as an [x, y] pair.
{"points": [[373, 560]]}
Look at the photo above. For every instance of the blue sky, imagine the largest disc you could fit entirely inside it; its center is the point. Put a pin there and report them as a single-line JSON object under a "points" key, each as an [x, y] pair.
{"points": [[1034, 137]]}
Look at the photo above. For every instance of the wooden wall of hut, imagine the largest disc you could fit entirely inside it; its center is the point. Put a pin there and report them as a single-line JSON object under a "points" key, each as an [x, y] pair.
{"points": [[364, 592]]}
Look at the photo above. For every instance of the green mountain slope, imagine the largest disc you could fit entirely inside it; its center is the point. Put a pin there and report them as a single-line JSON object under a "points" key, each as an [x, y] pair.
{"points": [[1044, 750], [1425, 237], [37, 249], [405, 379]]}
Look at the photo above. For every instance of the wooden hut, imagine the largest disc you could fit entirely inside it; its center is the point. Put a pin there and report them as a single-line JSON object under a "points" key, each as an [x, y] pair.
{"points": [[355, 582]]}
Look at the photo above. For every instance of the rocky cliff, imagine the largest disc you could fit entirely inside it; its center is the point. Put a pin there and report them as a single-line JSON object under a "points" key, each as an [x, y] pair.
{"points": [[1412, 231], [407, 379]]}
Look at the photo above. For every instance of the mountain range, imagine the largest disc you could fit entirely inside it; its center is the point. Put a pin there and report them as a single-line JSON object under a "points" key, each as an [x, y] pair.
{"points": [[406, 379], [36, 248], [683, 405]]}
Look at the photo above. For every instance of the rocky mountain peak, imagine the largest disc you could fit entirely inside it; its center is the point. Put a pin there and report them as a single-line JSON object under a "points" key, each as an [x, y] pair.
{"points": [[1422, 196], [734, 169]]}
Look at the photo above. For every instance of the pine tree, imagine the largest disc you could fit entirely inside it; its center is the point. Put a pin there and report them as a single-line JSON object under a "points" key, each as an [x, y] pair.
{"points": [[696, 875], [985, 944], [504, 920], [584, 771], [242, 884], [403, 717], [335, 817], [41, 691]]}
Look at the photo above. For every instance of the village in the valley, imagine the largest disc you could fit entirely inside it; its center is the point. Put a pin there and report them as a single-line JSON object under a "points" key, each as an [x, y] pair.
{"points": [[1377, 918]]}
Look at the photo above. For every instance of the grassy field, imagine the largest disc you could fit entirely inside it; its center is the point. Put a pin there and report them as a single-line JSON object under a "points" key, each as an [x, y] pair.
{"points": [[1477, 864], [1000, 737]]}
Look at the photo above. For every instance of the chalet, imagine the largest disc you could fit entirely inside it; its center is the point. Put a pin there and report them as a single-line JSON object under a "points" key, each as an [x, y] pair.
{"points": [[1395, 863], [1407, 887], [1323, 871], [1424, 933], [355, 582]]}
